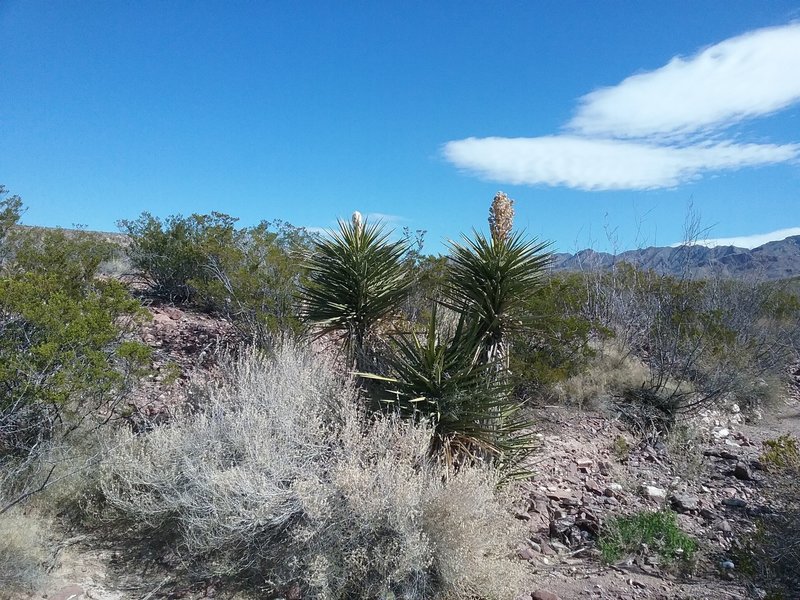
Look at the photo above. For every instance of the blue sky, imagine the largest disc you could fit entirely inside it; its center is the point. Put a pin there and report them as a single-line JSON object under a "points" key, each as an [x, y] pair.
{"points": [[604, 121]]}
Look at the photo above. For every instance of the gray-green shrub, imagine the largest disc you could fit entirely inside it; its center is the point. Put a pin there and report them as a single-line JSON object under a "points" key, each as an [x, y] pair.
{"points": [[284, 480], [22, 553]]}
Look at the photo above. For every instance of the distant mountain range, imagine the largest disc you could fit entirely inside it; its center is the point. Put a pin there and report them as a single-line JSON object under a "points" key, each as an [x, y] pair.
{"points": [[774, 260]]}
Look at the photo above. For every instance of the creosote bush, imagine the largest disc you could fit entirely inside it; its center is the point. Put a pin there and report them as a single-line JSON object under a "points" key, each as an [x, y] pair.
{"points": [[66, 358], [284, 481], [248, 274], [702, 341]]}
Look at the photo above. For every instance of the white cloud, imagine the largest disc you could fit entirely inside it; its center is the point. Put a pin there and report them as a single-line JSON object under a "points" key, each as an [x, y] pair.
{"points": [[604, 164], [747, 76], [750, 241], [657, 129]]}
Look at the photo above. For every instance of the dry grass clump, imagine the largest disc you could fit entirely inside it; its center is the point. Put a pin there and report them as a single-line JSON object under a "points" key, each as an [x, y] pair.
{"points": [[283, 482], [609, 374], [22, 553], [771, 555]]}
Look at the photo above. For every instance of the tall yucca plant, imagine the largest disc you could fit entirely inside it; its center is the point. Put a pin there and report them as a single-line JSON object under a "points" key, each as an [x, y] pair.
{"points": [[491, 278], [356, 277]]}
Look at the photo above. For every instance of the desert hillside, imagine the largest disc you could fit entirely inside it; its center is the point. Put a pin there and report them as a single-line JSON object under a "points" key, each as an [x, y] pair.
{"points": [[210, 410]]}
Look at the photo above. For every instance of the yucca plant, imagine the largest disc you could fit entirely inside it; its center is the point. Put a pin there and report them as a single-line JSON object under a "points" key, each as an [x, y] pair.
{"points": [[491, 278], [440, 377], [356, 277]]}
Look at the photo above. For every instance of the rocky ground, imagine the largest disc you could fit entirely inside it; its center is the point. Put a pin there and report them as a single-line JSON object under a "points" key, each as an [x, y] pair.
{"points": [[588, 468]]}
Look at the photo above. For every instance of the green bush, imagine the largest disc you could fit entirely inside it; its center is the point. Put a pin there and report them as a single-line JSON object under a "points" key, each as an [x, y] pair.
{"points": [[169, 255], [656, 531], [781, 453], [64, 352], [254, 280], [249, 275], [556, 345]]}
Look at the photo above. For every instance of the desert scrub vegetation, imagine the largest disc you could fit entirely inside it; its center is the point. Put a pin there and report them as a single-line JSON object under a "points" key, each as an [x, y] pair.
{"points": [[701, 341], [770, 556], [66, 359], [284, 481], [656, 532], [249, 275], [23, 554]]}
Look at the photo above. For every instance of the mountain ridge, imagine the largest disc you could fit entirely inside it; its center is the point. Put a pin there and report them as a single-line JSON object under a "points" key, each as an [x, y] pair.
{"points": [[773, 260]]}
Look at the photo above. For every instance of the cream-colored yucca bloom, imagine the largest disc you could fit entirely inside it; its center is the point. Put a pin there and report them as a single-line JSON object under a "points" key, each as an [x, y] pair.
{"points": [[358, 221], [501, 216]]}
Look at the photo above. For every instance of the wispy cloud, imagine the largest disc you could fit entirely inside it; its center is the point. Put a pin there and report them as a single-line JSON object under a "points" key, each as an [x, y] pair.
{"points": [[657, 129], [750, 241], [383, 217], [372, 217], [604, 164], [747, 76]]}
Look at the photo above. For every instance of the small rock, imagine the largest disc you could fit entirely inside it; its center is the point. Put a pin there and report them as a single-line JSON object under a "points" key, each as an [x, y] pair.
{"points": [[722, 433], [547, 550], [654, 493], [742, 471], [593, 487], [727, 565], [544, 595], [71, 592], [707, 514], [734, 502], [685, 503]]}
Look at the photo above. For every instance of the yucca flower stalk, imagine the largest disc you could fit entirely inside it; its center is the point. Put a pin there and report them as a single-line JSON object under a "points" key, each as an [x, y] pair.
{"points": [[356, 277]]}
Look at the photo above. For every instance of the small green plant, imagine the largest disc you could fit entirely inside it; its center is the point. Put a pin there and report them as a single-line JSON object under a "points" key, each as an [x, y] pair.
{"points": [[656, 531], [170, 254], [621, 448], [781, 453]]}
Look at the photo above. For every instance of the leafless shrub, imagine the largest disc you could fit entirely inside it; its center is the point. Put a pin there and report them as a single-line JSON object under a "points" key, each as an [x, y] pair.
{"points": [[701, 340], [283, 480]]}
